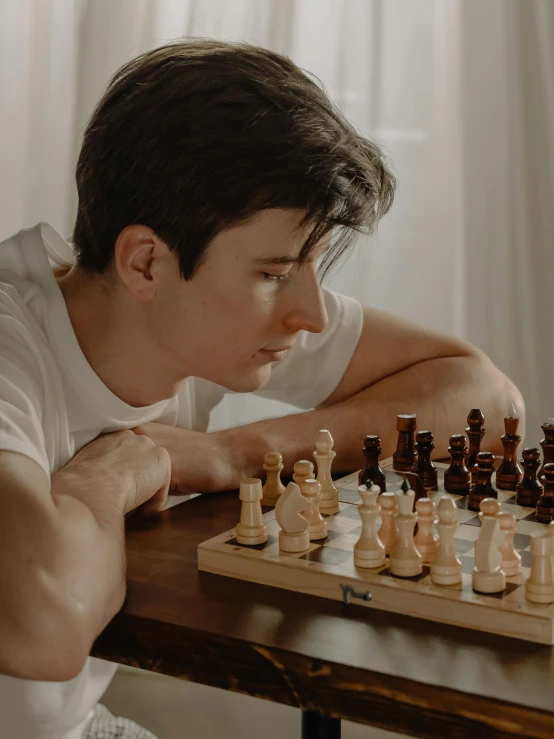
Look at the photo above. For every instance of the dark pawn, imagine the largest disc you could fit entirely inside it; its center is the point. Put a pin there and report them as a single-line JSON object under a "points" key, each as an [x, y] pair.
{"points": [[545, 504], [509, 474], [457, 478], [475, 433], [547, 445], [405, 455], [529, 489], [481, 478], [424, 468], [372, 474]]}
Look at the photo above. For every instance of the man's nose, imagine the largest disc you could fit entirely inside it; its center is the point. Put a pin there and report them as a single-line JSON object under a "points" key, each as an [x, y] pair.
{"points": [[307, 310]]}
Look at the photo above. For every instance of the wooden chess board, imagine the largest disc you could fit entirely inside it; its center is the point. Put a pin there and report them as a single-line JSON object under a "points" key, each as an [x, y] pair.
{"points": [[327, 569]]}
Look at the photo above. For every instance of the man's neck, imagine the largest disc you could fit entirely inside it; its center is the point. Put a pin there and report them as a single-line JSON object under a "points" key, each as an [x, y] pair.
{"points": [[111, 338]]}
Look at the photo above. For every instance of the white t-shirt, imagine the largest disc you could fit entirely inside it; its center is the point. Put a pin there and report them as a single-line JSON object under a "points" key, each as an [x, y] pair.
{"points": [[52, 403]]}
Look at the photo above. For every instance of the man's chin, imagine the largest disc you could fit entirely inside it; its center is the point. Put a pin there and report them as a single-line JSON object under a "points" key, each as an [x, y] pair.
{"points": [[249, 382]]}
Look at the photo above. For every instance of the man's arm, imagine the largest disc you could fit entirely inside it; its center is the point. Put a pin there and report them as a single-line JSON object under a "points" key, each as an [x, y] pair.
{"points": [[397, 367], [62, 557]]}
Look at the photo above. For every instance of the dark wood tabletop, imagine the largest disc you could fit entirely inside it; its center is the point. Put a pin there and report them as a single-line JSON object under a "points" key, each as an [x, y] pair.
{"points": [[403, 674]]}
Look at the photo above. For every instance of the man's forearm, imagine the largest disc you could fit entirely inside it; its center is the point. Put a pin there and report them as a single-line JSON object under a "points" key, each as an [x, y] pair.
{"points": [[440, 391]]}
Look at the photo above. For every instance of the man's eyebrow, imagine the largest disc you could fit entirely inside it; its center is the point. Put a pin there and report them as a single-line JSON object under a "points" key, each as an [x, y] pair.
{"points": [[278, 260]]}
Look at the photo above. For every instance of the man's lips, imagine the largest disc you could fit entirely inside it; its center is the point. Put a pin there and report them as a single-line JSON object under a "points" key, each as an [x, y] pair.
{"points": [[275, 355]]}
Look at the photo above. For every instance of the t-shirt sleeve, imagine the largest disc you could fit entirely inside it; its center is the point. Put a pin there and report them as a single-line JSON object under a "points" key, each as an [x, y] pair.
{"points": [[317, 362], [20, 402]]}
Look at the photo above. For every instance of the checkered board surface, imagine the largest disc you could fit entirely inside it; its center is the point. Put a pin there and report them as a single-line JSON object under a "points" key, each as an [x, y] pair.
{"points": [[327, 569]]}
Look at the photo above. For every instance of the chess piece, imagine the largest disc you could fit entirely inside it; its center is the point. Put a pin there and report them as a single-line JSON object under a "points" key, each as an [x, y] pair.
{"points": [[446, 568], [387, 532], [302, 470], [294, 536], [511, 560], [509, 473], [273, 488], [369, 550], [547, 445], [424, 468], [529, 490], [545, 504], [457, 478], [324, 455], [405, 560], [251, 529], [426, 541], [405, 455], [539, 587], [317, 526], [475, 433], [481, 476], [487, 575], [414, 481], [372, 474]]}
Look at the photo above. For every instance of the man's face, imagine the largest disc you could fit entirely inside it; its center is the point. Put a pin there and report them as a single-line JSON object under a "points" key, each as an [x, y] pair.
{"points": [[246, 304]]}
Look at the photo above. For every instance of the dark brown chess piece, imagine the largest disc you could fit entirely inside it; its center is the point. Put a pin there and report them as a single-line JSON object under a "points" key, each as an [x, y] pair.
{"points": [[457, 478], [547, 445], [481, 481], [509, 474], [424, 468], [417, 486], [545, 504], [529, 489], [405, 455], [475, 433], [372, 474]]}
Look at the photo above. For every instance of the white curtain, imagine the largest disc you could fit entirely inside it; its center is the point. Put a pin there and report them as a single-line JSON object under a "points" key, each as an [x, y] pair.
{"points": [[460, 93]]}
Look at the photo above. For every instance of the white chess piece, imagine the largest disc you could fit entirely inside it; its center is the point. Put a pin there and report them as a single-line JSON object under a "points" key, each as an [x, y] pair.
{"points": [[426, 541], [324, 456], [446, 568], [273, 488], [303, 470], [251, 529], [369, 550], [487, 575], [317, 526], [511, 560], [387, 532], [539, 588], [405, 560], [294, 536]]}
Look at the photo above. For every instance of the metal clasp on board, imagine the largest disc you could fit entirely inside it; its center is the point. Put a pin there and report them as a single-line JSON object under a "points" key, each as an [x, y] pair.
{"points": [[348, 592]]}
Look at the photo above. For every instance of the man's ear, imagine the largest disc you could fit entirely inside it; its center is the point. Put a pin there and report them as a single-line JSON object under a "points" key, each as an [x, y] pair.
{"points": [[139, 256]]}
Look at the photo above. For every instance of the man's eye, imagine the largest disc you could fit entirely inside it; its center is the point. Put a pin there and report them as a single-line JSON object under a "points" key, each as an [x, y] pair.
{"points": [[279, 279]]}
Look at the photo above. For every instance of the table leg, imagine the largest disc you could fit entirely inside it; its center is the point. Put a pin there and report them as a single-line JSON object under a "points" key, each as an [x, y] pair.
{"points": [[316, 726]]}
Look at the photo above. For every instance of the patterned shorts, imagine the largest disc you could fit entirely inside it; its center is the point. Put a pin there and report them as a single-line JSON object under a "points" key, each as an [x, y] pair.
{"points": [[103, 725]]}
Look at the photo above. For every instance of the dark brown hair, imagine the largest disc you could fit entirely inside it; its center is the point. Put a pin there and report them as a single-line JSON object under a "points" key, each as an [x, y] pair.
{"points": [[199, 135]]}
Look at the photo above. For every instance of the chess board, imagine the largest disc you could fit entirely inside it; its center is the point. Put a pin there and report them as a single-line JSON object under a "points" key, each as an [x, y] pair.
{"points": [[327, 569]]}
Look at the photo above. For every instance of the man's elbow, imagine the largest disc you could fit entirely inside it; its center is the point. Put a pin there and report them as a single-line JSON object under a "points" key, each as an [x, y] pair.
{"points": [[48, 651]]}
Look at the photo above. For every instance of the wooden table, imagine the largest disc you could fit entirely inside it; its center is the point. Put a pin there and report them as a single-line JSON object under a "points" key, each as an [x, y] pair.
{"points": [[326, 658]]}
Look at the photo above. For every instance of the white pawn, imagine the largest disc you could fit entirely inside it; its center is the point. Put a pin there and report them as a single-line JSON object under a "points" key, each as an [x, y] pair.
{"points": [[369, 550], [294, 536], [251, 529], [487, 575], [273, 488], [317, 526], [426, 540], [324, 456], [539, 588], [511, 560], [387, 532], [303, 470], [405, 560], [446, 568]]}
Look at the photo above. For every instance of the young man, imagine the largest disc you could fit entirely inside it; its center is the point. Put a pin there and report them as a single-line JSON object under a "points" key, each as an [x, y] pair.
{"points": [[211, 179]]}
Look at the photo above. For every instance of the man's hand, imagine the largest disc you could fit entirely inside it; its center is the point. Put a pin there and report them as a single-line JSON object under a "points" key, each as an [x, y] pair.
{"points": [[200, 462], [134, 469]]}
